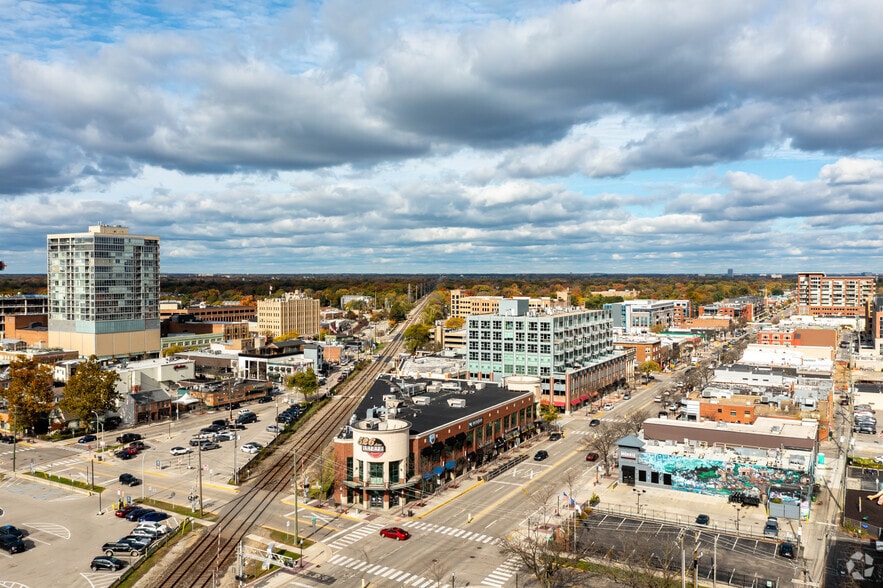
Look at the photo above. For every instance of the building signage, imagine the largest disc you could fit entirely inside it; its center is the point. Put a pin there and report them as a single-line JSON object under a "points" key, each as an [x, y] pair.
{"points": [[628, 454], [476, 422], [372, 446], [180, 366]]}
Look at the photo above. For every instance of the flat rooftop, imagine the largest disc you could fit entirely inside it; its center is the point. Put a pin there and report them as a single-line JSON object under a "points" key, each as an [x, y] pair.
{"points": [[432, 409]]}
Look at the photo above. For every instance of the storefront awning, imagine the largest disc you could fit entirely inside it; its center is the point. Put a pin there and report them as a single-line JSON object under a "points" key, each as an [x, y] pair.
{"points": [[584, 397], [187, 400], [559, 403], [449, 465], [427, 476], [574, 402], [438, 471]]}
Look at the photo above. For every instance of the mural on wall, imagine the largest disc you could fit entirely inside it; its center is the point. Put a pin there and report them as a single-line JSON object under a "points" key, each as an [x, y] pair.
{"points": [[717, 477]]}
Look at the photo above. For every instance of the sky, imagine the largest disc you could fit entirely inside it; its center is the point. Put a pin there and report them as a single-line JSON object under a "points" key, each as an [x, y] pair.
{"points": [[430, 136]]}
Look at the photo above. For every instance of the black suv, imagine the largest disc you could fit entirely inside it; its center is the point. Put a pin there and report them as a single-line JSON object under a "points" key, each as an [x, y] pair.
{"points": [[12, 544], [128, 438], [246, 418], [129, 480]]}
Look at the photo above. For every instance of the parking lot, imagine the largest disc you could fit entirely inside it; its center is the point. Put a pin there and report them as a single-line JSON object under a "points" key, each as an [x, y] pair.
{"points": [[64, 526]]}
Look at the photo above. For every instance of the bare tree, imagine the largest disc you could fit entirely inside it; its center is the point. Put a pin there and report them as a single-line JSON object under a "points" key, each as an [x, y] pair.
{"points": [[544, 552], [634, 422], [604, 440]]}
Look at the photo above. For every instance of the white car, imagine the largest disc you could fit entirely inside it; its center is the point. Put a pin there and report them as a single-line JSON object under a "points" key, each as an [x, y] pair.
{"points": [[145, 532], [879, 459], [179, 450], [157, 526], [273, 428], [608, 407], [252, 447]]}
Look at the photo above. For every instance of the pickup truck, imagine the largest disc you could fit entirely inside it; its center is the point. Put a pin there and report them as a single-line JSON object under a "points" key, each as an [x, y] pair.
{"points": [[112, 547], [128, 438]]}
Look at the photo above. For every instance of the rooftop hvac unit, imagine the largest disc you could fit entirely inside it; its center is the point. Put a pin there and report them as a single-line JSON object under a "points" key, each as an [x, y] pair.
{"points": [[372, 424], [457, 402], [421, 400], [387, 398]]}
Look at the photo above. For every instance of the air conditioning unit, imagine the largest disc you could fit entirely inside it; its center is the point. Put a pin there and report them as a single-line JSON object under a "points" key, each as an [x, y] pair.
{"points": [[457, 402]]}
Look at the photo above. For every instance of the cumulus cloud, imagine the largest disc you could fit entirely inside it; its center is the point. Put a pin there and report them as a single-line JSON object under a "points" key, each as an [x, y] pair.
{"points": [[515, 135]]}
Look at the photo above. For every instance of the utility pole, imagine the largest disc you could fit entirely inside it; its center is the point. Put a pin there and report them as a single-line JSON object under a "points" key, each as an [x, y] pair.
{"points": [[696, 561], [300, 560], [714, 563], [199, 449], [683, 562]]}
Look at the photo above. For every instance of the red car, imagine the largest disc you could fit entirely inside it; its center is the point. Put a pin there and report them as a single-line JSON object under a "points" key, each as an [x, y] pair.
{"points": [[396, 533], [592, 456], [122, 512]]}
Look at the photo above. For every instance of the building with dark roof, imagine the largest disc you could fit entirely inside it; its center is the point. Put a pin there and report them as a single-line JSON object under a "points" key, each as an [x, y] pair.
{"points": [[410, 436]]}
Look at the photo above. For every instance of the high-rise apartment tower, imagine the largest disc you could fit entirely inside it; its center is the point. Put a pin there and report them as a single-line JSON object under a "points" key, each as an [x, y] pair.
{"points": [[104, 293]]}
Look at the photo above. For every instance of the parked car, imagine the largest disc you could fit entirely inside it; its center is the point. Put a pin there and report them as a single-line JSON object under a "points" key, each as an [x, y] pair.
{"points": [[195, 442], [626, 396], [112, 547], [703, 519], [540, 455], [145, 532], [396, 533], [122, 512], [252, 447], [273, 429], [657, 398], [137, 445], [8, 439], [180, 450], [247, 418], [244, 411], [129, 480], [592, 456], [107, 562], [157, 526], [153, 517], [87, 439], [554, 436], [786, 549], [208, 445], [221, 423], [10, 530], [265, 399], [123, 454], [594, 422], [12, 544], [135, 514], [771, 529], [225, 436], [236, 427]]}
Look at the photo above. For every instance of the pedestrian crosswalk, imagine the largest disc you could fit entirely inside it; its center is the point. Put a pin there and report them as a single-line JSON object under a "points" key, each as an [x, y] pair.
{"points": [[356, 534], [401, 578], [501, 575], [453, 532]]}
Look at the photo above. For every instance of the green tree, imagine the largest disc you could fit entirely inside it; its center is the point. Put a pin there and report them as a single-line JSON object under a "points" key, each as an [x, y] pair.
{"points": [[90, 389], [29, 395], [416, 336], [305, 382], [647, 367], [549, 413]]}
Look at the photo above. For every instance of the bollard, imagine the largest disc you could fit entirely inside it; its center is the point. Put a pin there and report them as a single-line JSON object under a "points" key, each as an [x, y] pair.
{"points": [[469, 518]]}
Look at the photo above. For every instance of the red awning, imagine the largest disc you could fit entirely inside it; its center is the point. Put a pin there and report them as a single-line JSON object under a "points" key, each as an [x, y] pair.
{"points": [[584, 397], [595, 394], [559, 403], [574, 402]]}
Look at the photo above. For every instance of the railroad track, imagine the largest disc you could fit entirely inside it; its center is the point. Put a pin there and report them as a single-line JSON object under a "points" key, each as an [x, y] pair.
{"points": [[215, 550]]}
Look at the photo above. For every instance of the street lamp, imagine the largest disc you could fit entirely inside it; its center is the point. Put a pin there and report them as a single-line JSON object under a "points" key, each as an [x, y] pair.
{"points": [[638, 493], [96, 428], [738, 510]]}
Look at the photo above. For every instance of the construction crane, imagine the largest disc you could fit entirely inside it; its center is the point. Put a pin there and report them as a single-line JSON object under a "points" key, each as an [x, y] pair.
{"points": [[2, 266]]}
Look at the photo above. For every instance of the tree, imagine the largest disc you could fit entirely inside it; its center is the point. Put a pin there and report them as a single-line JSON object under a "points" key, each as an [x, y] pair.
{"points": [[416, 336], [604, 440], [658, 328], [305, 382], [647, 367], [171, 350], [90, 389], [29, 395], [289, 336], [455, 322], [549, 413]]}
